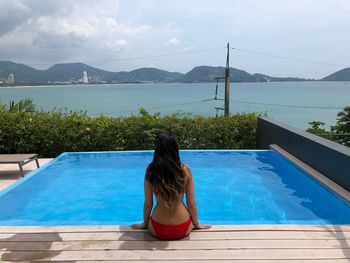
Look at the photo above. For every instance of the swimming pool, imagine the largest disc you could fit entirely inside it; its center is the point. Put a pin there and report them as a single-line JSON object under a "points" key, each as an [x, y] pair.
{"points": [[231, 187]]}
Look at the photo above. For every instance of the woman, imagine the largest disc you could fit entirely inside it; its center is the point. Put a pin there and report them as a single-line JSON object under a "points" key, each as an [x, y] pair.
{"points": [[169, 180]]}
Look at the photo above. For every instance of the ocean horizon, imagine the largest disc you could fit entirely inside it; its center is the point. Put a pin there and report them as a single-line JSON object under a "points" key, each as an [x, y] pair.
{"points": [[293, 103]]}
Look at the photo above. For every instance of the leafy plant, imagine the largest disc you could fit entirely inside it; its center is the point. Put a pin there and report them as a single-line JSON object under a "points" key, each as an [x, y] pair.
{"points": [[339, 133], [51, 133], [342, 129], [25, 105]]}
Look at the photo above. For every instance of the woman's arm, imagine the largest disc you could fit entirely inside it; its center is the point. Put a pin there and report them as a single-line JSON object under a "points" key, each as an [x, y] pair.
{"points": [[190, 200], [147, 206]]}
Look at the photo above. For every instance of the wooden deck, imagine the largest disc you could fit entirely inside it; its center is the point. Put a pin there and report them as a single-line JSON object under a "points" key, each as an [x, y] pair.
{"points": [[234, 243], [10, 173], [262, 243]]}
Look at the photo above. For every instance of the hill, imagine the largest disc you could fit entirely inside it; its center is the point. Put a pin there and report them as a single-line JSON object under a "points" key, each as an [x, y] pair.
{"points": [[25, 73], [72, 73], [341, 75], [152, 74], [208, 74]]}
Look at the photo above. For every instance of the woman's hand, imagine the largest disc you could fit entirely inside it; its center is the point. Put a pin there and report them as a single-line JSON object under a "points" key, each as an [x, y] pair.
{"points": [[139, 226], [202, 226]]}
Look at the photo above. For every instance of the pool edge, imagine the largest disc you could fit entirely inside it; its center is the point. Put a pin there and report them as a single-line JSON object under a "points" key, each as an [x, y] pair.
{"points": [[319, 177]]}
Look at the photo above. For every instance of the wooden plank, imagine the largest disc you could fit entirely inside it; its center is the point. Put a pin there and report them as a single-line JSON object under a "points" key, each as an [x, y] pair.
{"points": [[223, 261], [236, 261], [146, 236], [171, 245], [214, 228], [51, 237], [125, 255], [134, 235], [198, 261]]}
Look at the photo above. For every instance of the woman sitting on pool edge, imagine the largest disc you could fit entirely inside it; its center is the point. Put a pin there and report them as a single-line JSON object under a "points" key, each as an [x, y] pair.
{"points": [[169, 180]]}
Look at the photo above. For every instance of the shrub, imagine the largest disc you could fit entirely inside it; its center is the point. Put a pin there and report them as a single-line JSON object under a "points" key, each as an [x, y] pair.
{"points": [[339, 133], [51, 133]]}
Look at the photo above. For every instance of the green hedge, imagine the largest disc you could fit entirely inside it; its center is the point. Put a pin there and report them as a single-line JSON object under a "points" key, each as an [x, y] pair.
{"points": [[51, 133]]}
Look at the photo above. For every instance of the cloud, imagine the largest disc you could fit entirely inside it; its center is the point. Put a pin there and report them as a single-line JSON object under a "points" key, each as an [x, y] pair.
{"points": [[173, 42], [12, 14], [87, 29], [103, 33], [52, 40]]}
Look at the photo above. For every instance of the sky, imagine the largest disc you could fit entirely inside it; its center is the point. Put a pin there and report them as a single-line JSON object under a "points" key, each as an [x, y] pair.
{"points": [[177, 35]]}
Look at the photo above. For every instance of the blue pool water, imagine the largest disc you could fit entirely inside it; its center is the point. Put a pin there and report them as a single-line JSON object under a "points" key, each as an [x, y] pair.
{"points": [[231, 187]]}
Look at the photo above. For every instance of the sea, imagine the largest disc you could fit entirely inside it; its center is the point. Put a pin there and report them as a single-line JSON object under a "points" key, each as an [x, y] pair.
{"points": [[293, 103]]}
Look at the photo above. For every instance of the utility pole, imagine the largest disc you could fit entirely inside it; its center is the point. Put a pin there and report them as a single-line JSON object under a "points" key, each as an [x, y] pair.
{"points": [[227, 83]]}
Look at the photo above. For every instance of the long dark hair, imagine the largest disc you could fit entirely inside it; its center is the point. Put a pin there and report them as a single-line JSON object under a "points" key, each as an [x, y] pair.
{"points": [[165, 172]]}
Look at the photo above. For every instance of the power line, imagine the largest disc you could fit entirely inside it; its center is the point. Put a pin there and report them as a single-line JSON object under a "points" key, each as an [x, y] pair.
{"points": [[208, 100], [289, 105], [167, 55], [289, 58], [283, 105], [146, 57]]}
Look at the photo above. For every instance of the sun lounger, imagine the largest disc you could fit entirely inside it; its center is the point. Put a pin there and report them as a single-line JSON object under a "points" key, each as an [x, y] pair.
{"points": [[20, 159]]}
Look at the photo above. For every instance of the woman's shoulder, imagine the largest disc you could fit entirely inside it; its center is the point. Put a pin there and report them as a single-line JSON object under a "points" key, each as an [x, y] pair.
{"points": [[187, 173], [186, 168]]}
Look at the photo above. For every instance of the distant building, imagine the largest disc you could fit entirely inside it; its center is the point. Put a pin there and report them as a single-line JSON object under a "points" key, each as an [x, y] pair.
{"points": [[85, 77], [11, 79]]}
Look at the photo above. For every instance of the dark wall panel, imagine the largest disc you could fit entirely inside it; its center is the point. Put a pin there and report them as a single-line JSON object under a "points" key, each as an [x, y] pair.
{"points": [[327, 157]]}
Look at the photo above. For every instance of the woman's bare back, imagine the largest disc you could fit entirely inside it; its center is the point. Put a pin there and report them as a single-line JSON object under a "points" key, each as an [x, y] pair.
{"points": [[171, 214]]}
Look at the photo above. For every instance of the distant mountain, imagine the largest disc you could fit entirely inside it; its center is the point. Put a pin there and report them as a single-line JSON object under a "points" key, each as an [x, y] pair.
{"points": [[265, 78], [22, 71], [341, 75], [59, 72], [153, 74], [208, 74], [72, 72], [261, 77]]}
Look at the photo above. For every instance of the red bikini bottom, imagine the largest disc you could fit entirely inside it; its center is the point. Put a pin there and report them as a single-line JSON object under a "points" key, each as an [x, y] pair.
{"points": [[167, 232]]}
